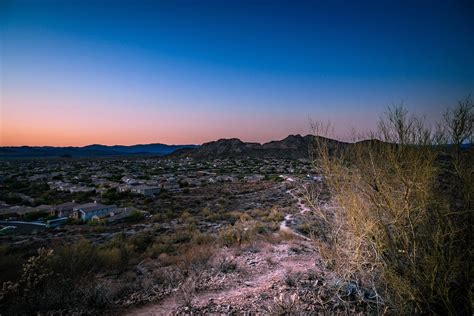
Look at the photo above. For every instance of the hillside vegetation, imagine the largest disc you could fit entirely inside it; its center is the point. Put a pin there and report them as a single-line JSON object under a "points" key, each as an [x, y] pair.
{"points": [[401, 231]]}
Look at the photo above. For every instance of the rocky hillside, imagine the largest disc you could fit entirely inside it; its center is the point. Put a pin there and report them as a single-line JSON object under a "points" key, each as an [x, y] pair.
{"points": [[293, 146]]}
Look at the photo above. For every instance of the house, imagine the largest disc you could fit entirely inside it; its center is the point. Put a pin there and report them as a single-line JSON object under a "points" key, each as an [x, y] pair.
{"points": [[145, 190], [124, 188], [64, 209], [129, 180], [79, 188], [120, 214], [86, 211], [170, 185]]}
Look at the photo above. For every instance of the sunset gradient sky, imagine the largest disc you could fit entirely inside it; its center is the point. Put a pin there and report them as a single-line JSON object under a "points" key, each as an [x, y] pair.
{"points": [[78, 72]]}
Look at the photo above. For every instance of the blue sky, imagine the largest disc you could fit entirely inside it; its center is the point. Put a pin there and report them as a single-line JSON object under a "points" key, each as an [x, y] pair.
{"points": [[194, 71]]}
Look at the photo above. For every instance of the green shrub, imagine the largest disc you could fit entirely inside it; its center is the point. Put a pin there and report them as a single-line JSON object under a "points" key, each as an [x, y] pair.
{"points": [[110, 258], [242, 231], [75, 260], [135, 217], [275, 216]]}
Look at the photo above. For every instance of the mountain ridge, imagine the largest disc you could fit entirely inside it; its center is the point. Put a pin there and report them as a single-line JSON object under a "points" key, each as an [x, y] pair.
{"points": [[292, 147], [93, 150]]}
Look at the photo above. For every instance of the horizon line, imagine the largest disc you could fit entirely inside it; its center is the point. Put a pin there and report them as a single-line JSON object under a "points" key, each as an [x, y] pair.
{"points": [[159, 143]]}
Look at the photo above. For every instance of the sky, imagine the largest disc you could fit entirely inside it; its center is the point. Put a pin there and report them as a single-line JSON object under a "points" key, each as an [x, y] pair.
{"points": [[79, 72]]}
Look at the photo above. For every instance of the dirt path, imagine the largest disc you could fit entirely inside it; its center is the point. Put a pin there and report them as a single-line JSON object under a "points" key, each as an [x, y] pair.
{"points": [[302, 208], [264, 277], [256, 289]]}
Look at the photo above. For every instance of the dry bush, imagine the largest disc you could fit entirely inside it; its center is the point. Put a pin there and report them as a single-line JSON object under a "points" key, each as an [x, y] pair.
{"points": [[168, 276], [196, 259], [286, 304], [279, 237], [34, 276], [226, 264], [275, 215], [290, 279], [110, 258], [242, 231], [394, 234], [117, 258], [187, 292], [56, 280], [253, 246]]}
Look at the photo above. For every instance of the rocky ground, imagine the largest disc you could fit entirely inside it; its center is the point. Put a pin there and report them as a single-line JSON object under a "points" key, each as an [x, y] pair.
{"points": [[272, 269], [263, 272], [282, 274]]}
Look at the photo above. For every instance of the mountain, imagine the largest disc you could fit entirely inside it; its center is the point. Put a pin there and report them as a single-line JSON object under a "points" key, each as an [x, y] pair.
{"points": [[88, 151], [221, 148], [157, 149], [293, 147]]}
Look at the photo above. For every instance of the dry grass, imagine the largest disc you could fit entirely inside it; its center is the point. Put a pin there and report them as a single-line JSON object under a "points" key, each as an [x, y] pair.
{"points": [[395, 235]]}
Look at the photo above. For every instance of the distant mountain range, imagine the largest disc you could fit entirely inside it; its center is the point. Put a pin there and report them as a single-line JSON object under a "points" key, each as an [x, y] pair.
{"points": [[291, 147], [88, 151]]}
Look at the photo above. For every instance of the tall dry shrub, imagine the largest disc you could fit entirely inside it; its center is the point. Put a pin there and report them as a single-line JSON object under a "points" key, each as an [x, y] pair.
{"points": [[400, 230]]}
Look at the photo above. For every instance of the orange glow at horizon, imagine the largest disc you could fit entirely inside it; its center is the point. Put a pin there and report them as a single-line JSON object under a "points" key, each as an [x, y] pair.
{"points": [[23, 127], [66, 121]]}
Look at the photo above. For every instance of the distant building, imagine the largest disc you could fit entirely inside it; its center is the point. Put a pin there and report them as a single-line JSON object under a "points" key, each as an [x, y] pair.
{"points": [[79, 188], [145, 190], [171, 186], [129, 180], [86, 211], [64, 209], [124, 188], [120, 214]]}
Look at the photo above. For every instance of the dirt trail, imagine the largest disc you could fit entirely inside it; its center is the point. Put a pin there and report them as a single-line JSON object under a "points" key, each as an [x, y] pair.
{"points": [[255, 291], [264, 278], [302, 208]]}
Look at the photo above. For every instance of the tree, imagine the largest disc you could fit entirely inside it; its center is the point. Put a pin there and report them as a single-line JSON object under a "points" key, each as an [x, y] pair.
{"points": [[459, 122], [399, 230]]}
